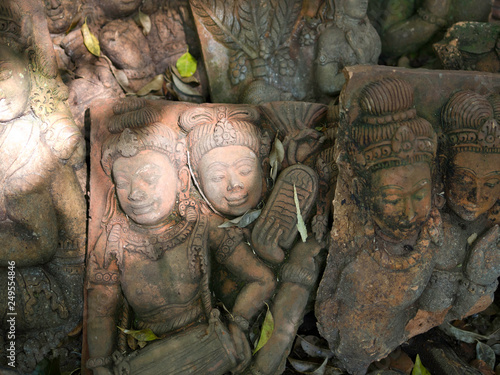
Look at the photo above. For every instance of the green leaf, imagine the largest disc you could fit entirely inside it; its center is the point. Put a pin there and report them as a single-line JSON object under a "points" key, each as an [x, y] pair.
{"points": [[419, 368], [301, 225], [266, 332], [141, 335], [143, 21], [90, 40], [485, 353], [186, 65], [155, 84]]}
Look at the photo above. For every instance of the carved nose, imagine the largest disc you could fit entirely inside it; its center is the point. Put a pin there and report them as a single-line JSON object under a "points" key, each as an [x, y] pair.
{"points": [[409, 213], [136, 195], [474, 195], [234, 182]]}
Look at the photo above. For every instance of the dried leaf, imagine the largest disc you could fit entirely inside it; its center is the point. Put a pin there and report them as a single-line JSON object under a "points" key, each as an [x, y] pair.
{"points": [[140, 335], [419, 368], [75, 21], [242, 221], [301, 225], [321, 369], [142, 344], [306, 367], [248, 218], [485, 353], [471, 238], [276, 157], [266, 331], [186, 65], [314, 350], [496, 348], [143, 21], [155, 84], [90, 40], [119, 75], [461, 335], [192, 80], [131, 342], [184, 88]]}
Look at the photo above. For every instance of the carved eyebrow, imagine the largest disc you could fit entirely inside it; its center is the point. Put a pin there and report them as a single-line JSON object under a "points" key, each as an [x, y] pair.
{"points": [[244, 159], [386, 187], [493, 174], [469, 170], [147, 167]]}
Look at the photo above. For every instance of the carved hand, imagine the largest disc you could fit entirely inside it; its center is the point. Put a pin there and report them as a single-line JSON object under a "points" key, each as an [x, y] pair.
{"points": [[242, 347], [265, 242], [483, 263]]}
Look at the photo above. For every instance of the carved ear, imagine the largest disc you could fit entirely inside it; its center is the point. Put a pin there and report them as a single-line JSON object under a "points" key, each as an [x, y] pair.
{"points": [[184, 180]]}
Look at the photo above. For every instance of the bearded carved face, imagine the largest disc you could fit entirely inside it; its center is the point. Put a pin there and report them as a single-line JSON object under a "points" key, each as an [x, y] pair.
{"points": [[401, 199]]}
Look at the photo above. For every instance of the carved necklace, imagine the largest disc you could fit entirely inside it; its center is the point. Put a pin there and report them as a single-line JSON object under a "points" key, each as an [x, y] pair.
{"points": [[154, 245], [411, 257]]}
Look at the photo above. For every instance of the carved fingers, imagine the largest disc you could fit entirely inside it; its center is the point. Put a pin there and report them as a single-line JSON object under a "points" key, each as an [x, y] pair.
{"points": [[266, 241]]}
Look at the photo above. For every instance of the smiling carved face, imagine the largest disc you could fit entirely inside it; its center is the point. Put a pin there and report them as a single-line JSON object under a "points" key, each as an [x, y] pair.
{"points": [[146, 186], [231, 179], [15, 84], [473, 184], [401, 200]]}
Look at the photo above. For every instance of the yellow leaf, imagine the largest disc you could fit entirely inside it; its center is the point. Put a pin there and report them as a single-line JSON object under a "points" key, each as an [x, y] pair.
{"points": [[140, 335], [186, 65], [419, 368], [266, 332], [90, 40], [301, 225]]}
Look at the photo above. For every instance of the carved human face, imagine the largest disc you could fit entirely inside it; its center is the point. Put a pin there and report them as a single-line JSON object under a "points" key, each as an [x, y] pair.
{"points": [[231, 179], [119, 8], [15, 84], [60, 14], [146, 186], [355, 8], [473, 184], [401, 200]]}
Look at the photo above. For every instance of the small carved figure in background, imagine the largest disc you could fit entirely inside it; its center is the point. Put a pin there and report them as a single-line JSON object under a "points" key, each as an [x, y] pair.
{"points": [[349, 39], [407, 26]]}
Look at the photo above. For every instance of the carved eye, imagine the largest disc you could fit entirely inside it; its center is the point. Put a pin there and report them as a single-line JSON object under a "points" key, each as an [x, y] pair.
{"points": [[491, 183]]}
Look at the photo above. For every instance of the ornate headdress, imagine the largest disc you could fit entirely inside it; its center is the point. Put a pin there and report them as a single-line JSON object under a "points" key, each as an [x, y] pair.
{"points": [[389, 133], [156, 137], [211, 127], [470, 122]]}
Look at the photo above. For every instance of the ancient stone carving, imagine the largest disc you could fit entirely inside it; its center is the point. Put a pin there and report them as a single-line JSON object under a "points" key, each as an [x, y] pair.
{"points": [[152, 259], [406, 26], [348, 39], [229, 160], [396, 268], [258, 51], [42, 208], [472, 192], [470, 46]]}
